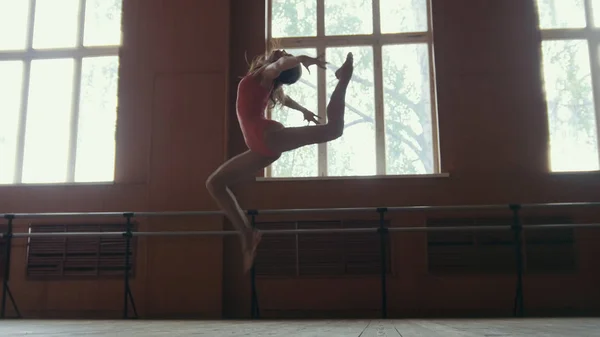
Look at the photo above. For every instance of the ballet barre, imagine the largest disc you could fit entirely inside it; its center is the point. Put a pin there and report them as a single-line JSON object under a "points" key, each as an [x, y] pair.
{"points": [[305, 231], [300, 210], [516, 227]]}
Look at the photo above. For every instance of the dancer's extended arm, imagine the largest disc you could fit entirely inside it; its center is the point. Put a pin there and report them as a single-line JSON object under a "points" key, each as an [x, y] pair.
{"points": [[308, 115], [273, 70]]}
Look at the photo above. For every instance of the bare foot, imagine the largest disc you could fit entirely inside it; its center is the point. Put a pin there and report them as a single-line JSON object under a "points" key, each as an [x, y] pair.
{"points": [[346, 70], [250, 250]]}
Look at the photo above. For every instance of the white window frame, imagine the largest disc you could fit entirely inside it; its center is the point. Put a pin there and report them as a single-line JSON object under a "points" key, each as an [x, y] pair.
{"points": [[77, 53], [591, 35], [376, 40]]}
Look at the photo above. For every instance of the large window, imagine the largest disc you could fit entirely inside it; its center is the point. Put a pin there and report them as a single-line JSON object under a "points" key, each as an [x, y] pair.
{"points": [[58, 90], [391, 124], [571, 36]]}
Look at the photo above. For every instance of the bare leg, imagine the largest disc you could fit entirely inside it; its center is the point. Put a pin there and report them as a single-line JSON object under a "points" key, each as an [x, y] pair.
{"points": [[288, 139], [218, 184]]}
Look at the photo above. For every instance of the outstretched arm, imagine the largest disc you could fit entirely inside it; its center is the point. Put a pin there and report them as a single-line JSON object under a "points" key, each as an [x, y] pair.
{"points": [[290, 103], [308, 115], [273, 70]]}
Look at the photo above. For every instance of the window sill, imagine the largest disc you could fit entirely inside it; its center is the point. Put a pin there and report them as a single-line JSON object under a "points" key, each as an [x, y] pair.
{"points": [[70, 184], [373, 177], [575, 173]]}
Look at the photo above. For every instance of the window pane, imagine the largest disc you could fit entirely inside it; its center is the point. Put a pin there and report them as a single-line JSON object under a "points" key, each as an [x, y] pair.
{"points": [[556, 14], [55, 24], [596, 12], [13, 19], [102, 22], [302, 162], [348, 17], [292, 18], [354, 153], [571, 112], [95, 158], [11, 80], [48, 121], [407, 106], [402, 16]]}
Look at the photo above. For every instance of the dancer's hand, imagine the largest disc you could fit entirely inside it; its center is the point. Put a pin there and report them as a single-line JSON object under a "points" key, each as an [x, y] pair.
{"points": [[310, 117], [307, 61]]}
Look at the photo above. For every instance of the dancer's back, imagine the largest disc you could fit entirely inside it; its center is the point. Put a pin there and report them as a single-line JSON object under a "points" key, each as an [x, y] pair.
{"points": [[252, 99], [252, 102]]}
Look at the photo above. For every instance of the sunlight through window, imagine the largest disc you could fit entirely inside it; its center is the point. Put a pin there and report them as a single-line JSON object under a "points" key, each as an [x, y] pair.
{"points": [[569, 85], [390, 124], [58, 99]]}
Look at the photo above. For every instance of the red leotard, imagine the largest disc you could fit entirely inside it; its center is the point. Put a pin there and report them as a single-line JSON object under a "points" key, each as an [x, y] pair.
{"points": [[252, 101]]}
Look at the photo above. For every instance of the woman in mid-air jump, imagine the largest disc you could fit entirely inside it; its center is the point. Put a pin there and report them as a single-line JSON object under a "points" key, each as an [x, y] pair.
{"points": [[267, 139]]}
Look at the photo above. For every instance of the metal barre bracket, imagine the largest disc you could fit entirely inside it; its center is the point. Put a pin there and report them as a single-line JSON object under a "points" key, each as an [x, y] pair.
{"points": [[128, 295], [6, 277], [383, 235], [517, 229], [254, 307]]}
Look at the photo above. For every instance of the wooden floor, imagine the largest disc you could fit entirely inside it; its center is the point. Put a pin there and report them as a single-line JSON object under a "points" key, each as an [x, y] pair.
{"points": [[588, 327]]}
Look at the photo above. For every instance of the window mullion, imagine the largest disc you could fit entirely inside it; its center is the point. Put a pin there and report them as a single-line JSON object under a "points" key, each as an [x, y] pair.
{"points": [[59, 53], [75, 99], [320, 18], [353, 40], [75, 104], [321, 86], [378, 88], [20, 153], [322, 106], [379, 110], [437, 167], [594, 66], [269, 23], [589, 17], [376, 19], [566, 34], [434, 111]]}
